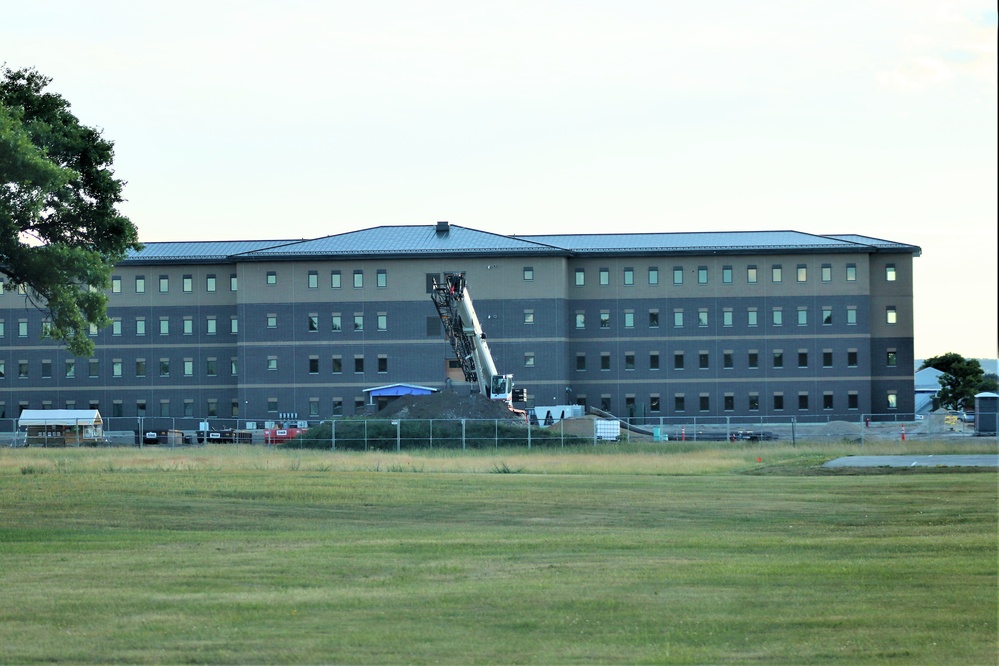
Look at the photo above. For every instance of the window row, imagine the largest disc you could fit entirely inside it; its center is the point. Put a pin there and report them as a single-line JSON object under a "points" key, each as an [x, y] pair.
{"points": [[701, 318], [778, 359], [270, 280], [751, 401], [701, 274]]}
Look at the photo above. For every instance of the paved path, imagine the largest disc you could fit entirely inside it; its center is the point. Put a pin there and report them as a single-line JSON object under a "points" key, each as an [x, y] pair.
{"points": [[980, 460]]}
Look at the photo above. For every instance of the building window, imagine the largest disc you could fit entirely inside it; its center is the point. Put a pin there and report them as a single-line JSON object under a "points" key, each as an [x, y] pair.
{"points": [[115, 327], [233, 325], [337, 365], [703, 360], [335, 280], [272, 321], [802, 401], [313, 365], [529, 316], [336, 322], [851, 358], [629, 319], [528, 359], [116, 367], [211, 367], [891, 316], [528, 273], [753, 359], [677, 318], [826, 275], [22, 369], [381, 321], [604, 319], [852, 400], [358, 279], [776, 273], [778, 401], [580, 277], [679, 402], [140, 367], [702, 317], [892, 358], [115, 284], [188, 407], [629, 360], [271, 279], [140, 284], [702, 275], [827, 400], [653, 318], [210, 283], [381, 278], [232, 282], [188, 326], [803, 316], [678, 275], [211, 326], [851, 315], [653, 360], [653, 275], [234, 366], [187, 284], [580, 320], [93, 368], [629, 277], [778, 357], [778, 317], [164, 284], [654, 404], [272, 363], [726, 275], [728, 361], [801, 273], [164, 326], [313, 323], [851, 272], [729, 402], [188, 367], [705, 402], [827, 358], [604, 277], [382, 363], [827, 316], [22, 328], [580, 361], [678, 360], [605, 360], [802, 359], [890, 272], [358, 364], [892, 400], [751, 274], [754, 402], [313, 280], [358, 321], [164, 408], [70, 368], [728, 318]]}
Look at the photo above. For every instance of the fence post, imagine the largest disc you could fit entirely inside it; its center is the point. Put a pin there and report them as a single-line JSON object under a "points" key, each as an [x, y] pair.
{"points": [[431, 434], [528, 434], [463, 434], [495, 433], [332, 434], [398, 430], [365, 434]]}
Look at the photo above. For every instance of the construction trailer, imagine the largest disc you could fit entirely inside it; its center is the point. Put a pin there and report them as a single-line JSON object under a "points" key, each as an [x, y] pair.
{"points": [[60, 427]]}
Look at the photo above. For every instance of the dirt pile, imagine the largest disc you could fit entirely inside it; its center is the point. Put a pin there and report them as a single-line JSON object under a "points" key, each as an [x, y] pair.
{"points": [[445, 405]]}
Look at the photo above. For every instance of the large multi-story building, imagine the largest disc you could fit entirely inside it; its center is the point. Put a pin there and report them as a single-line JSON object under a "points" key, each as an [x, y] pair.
{"points": [[761, 324]]}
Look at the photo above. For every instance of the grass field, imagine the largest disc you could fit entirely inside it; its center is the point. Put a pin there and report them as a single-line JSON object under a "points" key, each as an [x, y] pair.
{"points": [[697, 555]]}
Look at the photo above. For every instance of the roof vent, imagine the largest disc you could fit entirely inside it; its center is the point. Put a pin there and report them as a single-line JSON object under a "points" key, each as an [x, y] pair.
{"points": [[443, 227]]}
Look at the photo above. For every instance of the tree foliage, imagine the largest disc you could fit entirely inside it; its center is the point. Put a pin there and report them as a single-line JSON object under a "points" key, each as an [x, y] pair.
{"points": [[962, 378], [60, 231]]}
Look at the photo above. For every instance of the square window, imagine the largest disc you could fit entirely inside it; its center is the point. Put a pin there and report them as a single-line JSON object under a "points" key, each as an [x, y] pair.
{"points": [[272, 321], [271, 279], [891, 316], [528, 316], [528, 359], [528, 273]]}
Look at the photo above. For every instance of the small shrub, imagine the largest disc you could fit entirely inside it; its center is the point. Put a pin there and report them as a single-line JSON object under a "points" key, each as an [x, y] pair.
{"points": [[31, 469], [503, 468]]}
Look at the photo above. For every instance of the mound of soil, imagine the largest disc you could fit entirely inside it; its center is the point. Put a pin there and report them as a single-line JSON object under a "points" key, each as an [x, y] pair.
{"points": [[446, 405]]}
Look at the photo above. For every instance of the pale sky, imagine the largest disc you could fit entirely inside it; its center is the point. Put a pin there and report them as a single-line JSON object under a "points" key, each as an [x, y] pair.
{"points": [[300, 118]]}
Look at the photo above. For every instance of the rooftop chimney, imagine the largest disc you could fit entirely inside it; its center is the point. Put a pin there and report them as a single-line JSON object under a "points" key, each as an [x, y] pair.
{"points": [[443, 227]]}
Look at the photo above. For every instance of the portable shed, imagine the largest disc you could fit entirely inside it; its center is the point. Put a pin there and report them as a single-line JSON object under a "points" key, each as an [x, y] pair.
{"points": [[382, 395], [61, 427]]}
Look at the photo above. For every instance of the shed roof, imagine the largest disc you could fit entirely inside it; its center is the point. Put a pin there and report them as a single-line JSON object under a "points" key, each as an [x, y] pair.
{"points": [[66, 417], [400, 389]]}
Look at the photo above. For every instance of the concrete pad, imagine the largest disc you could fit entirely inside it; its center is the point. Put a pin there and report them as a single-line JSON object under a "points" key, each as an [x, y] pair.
{"points": [[978, 460]]}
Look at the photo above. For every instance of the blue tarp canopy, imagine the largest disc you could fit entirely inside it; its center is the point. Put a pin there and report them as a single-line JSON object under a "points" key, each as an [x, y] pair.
{"points": [[399, 389]]}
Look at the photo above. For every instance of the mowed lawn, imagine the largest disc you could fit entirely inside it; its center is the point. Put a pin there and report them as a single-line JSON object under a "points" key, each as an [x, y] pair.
{"points": [[287, 557]]}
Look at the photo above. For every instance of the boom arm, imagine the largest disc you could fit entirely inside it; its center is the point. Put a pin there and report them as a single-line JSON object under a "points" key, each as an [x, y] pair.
{"points": [[461, 325]]}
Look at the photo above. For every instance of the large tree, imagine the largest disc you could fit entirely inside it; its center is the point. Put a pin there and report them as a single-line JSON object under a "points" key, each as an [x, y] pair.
{"points": [[962, 378], [60, 231]]}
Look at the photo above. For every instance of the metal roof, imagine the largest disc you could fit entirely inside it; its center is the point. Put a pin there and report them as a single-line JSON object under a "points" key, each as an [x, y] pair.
{"points": [[403, 240], [444, 239]]}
